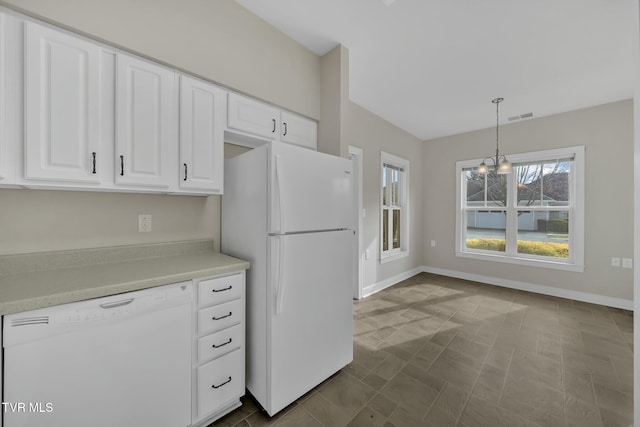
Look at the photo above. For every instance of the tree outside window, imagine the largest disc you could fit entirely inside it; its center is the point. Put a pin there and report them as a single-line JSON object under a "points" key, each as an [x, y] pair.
{"points": [[529, 213]]}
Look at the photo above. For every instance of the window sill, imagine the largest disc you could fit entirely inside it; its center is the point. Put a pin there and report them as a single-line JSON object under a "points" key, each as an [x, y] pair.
{"points": [[393, 257], [522, 261]]}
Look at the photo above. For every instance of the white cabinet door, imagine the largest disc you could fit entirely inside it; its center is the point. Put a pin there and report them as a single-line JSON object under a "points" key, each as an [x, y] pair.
{"points": [[62, 79], [202, 113], [298, 130], [4, 142], [248, 115], [146, 119]]}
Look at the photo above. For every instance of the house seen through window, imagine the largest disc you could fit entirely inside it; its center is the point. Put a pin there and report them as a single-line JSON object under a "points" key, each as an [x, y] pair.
{"points": [[534, 214]]}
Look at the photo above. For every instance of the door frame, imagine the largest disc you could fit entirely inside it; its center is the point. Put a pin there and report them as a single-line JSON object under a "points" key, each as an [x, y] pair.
{"points": [[356, 156]]}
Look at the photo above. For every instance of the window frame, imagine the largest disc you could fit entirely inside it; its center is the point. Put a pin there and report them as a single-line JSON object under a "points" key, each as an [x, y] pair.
{"points": [[575, 210], [403, 206]]}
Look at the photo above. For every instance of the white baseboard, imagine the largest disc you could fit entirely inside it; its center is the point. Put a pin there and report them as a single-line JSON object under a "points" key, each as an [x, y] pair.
{"points": [[377, 287], [532, 287]]}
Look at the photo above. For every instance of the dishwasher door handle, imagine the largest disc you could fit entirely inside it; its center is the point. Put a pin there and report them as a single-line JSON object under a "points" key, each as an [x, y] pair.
{"points": [[115, 304]]}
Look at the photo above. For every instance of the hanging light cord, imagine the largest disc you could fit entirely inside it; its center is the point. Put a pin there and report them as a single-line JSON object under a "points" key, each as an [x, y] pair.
{"points": [[497, 101]]}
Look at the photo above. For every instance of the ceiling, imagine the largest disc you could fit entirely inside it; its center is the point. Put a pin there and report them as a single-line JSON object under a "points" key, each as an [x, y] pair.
{"points": [[431, 67]]}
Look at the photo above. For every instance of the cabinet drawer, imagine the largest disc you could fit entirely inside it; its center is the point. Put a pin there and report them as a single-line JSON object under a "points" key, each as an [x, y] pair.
{"points": [[221, 289], [220, 316], [221, 342], [220, 382]]}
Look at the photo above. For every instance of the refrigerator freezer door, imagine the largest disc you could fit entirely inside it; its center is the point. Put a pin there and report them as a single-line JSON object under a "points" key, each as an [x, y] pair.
{"points": [[309, 190], [311, 321]]}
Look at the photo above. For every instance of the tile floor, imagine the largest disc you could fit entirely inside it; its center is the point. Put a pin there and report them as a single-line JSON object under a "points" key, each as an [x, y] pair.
{"points": [[437, 351]]}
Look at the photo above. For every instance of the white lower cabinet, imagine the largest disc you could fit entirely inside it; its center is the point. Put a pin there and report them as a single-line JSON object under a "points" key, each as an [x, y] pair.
{"points": [[220, 382], [218, 347]]}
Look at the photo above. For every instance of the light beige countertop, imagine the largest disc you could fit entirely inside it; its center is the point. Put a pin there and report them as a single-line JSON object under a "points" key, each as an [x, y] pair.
{"points": [[32, 281]]}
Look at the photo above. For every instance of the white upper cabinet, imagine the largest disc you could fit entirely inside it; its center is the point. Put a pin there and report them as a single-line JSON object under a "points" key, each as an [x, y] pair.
{"points": [[146, 124], [62, 104], [202, 113], [5, 156], [248, 115], [251, 116], [298, 130]]}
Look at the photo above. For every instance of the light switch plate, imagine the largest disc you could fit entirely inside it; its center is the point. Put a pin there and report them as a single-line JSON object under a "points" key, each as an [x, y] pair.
{"points": [[627, 263], [615, 262]]}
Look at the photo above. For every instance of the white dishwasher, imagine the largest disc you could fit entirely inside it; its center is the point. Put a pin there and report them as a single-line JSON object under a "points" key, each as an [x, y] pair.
{"points": [[123, 360]]}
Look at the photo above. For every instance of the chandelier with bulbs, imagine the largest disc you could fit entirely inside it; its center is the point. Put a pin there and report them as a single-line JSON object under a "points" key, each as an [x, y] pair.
{"points": [[500, 163]]}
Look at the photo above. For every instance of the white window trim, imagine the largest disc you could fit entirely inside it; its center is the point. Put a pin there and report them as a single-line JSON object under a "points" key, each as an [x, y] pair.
{"points": [[576, 226], [403, 251]]}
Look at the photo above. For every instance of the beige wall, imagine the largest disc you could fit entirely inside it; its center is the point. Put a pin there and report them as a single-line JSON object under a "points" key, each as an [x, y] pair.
{"points": [[363, 129], [216, 39], [607, 133], [330, 103], [45, 220]]}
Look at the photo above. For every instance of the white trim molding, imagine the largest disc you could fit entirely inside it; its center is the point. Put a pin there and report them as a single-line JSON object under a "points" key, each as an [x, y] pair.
{"points": [[387, 283], [535, 288]]}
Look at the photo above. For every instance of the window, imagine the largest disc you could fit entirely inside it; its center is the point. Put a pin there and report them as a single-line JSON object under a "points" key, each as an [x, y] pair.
{"points": [[532, 216], [394, 212]]}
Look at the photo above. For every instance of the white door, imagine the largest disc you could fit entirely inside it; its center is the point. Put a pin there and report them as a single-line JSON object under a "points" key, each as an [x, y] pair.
{"points": [[146, 120], [62, 111], [308, 190], [311, 329], [298, 130], [248, 115], [202, 113]]}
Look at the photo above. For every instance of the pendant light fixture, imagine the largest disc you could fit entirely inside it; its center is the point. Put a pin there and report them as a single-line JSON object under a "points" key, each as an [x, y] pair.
{"points": [[500, 162]]}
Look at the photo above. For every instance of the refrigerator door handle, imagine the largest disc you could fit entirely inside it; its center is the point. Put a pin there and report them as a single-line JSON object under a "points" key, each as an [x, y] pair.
{"points": [[280, 195], [280, 284]]}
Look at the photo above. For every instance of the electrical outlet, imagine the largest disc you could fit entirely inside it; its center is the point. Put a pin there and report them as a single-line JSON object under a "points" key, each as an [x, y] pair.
{"points": [[615, 262], [627, 263], [144, 223], [433, 243]]}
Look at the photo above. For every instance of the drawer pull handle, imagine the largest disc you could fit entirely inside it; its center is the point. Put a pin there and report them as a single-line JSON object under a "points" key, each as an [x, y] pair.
{"points": [[220, 385], [223, 344], [221, 317], [223, 289]]}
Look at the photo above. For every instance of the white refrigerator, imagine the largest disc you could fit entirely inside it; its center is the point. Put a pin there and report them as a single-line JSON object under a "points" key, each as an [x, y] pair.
{"points": [[288, 210]]}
